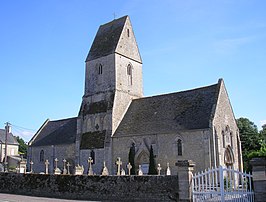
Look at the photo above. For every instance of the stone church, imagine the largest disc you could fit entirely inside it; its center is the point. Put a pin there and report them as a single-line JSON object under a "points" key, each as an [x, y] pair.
{"points": [[114, 116]]}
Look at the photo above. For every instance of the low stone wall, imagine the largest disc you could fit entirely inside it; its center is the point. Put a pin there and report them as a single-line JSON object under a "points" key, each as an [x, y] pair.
{"points": [[101, 188]]}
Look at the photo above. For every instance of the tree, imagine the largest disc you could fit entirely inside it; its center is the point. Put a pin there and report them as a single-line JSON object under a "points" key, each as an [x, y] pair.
{"points": [[22, 146], [263, 132], [131, 158], [152, 167], [250, 139]]}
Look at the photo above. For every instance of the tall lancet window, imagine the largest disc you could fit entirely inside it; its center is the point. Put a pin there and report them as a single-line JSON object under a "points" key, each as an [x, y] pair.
{"points": [[100, 69], [42, 156], [93, 156], [179, 147], [223, 136], [129, 74]]}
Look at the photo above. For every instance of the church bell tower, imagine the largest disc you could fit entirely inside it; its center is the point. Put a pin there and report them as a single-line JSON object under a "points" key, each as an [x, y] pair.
{"points": [[113, 78]]}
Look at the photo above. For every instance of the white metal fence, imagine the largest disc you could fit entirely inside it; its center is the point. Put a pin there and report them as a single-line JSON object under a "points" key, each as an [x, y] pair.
{"points": [[222, 184]]}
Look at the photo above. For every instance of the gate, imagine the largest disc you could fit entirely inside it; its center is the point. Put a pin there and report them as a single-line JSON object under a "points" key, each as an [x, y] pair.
{"points": [[222, 184]]}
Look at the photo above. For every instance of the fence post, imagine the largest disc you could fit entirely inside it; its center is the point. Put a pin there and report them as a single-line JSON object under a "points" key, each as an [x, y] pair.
{"points": [[185, 168], [221, 179], [259, 178]]}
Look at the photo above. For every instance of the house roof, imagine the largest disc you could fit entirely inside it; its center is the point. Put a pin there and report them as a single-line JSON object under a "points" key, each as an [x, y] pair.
{"points": [[10, 138], [106, 39], [169, 113], [56, 133]]}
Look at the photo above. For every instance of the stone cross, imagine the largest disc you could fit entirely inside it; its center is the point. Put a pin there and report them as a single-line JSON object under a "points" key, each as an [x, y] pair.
{"points": [[90, 161], [68, 165], [168, 171], [64, 170], [118, 163], [140, 171], [31, 169], [129, 167], [159, 168], [56, 160], [46, 166]]}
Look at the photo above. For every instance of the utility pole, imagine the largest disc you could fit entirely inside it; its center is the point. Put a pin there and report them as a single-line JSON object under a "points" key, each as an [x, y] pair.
{"points": [[7, 131]]}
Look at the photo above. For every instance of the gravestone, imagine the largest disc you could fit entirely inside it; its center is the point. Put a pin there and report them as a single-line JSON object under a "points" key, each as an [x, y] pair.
{"points": [[31, 166], [22, 166], [79, 170], [90, 161], [68, 165], [159, 168], [57, 171], [129, 167], [46, 166], [105, 171], [118, 163], [140, 171], [123, 172], [64, 169], [168, 171]]}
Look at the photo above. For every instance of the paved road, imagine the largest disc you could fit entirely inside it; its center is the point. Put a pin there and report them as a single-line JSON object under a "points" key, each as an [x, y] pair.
{"points": [[20, 198]]}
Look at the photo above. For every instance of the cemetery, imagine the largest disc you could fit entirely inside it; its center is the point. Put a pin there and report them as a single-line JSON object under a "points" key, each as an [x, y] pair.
{"points": [[88, 185]]}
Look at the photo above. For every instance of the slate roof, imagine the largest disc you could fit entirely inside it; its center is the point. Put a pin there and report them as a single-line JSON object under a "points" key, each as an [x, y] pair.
{"points": [[169, 113], [56, 133], [106, 39], [10, 138]]}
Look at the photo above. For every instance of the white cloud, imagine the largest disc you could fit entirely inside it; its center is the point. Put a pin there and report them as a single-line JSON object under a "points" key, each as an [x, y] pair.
{"points": [[25, 135], [262, 122]]}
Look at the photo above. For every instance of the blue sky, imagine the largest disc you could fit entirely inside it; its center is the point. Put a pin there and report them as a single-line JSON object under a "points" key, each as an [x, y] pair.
{"points": [[183, 44]]}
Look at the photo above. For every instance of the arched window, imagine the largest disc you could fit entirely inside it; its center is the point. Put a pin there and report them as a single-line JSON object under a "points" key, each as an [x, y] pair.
{"points": [[129, 74], [231, 140], [223, 139], [41, 156], [100, 69], [179, 147], [93, 156]]}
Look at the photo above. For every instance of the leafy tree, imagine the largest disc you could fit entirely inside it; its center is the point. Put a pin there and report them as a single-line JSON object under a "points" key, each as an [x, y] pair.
{"points": [[22, 146], [152, 167], [263, 132], [259, 153], [250, 139], [131, 158]]}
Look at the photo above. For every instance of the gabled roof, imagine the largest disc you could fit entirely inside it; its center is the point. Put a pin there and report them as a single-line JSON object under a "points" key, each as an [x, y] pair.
{"points": [[10, 138], [169, 113], [106, 39], [56, 133]]}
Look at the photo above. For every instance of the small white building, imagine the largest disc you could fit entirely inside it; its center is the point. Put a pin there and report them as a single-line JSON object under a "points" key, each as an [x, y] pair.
{"points": [[12, 145]]}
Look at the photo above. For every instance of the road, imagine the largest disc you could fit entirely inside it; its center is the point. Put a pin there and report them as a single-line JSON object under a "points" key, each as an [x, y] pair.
{"points": [[20, 198]]}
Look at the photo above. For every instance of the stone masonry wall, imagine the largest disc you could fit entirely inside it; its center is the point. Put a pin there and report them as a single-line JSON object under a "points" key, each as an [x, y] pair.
{"points": [[224, 117], [103, 188]]}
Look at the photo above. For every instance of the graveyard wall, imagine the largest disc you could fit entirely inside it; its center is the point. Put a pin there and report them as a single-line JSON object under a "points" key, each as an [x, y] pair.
{"points": [[103, 188]]}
